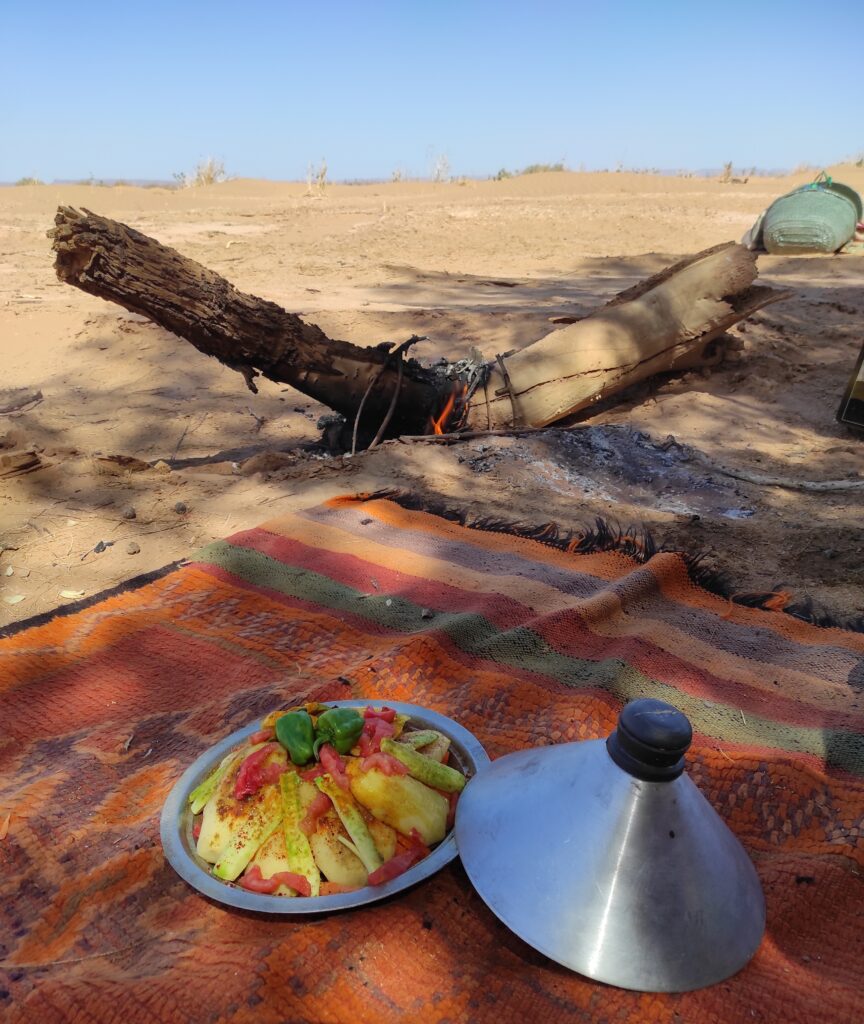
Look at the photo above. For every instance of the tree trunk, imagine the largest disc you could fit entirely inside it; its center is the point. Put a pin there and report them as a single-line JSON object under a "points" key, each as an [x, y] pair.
{"points": [[251, 335], [665, 323]]}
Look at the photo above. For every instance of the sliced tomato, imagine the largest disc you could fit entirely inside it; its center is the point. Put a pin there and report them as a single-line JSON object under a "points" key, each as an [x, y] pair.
{"points": [[385, 763], [311, 774], [451, 813], [196, 830], [299, 883], [375, 730], [398, 864], [251, 778], [253, 880], [271, 772], [317, 809], [415, 841], [387, 714], [263, 736], [331, 762]]}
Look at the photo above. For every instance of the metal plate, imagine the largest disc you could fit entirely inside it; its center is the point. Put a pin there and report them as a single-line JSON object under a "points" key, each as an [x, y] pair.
{"points": [[466, 753]]}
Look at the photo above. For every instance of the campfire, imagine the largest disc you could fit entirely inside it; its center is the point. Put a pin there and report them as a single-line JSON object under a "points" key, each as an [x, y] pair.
{"points": [[453, 414]]}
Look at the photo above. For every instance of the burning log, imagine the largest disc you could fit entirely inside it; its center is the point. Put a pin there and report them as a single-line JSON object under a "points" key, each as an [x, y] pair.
{"points": [[663, 324]]}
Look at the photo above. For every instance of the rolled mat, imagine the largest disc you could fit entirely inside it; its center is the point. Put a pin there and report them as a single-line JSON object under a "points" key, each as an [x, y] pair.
{"points": [[524, 642], [816, 218]]}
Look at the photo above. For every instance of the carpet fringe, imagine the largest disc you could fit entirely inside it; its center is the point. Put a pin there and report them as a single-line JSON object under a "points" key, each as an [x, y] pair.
{"points": [[86, 602], [636, 542]]}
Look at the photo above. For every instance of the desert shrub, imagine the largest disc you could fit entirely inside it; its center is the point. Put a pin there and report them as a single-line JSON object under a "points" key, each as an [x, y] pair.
{"points": [[441, 168], [316, 181], [542, 168], [29, 181], [208, 172]]}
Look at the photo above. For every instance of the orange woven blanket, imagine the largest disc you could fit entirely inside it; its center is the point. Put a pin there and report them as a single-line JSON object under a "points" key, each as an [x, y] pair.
{"points": [[523, 643]]}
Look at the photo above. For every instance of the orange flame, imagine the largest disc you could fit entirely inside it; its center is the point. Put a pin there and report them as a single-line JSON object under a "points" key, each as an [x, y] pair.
{"points": [[439, 425]]}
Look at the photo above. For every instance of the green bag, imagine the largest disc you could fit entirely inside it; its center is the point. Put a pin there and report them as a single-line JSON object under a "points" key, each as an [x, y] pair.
{"points": [[816, 218]]}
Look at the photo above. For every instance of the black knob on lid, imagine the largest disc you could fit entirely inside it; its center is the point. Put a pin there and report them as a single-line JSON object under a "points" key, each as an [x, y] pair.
{"points": [[651, 740]]}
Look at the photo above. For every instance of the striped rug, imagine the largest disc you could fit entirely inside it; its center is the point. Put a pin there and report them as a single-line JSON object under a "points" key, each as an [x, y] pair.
{"points": [[523, 641]]}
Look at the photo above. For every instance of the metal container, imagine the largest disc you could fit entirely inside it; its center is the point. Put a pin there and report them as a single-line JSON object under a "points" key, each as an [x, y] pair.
{"points": [[466, 754], [604, 856]]}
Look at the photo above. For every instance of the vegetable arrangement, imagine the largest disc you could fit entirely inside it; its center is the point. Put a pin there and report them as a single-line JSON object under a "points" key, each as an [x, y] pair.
{"points": [[325, 800]]}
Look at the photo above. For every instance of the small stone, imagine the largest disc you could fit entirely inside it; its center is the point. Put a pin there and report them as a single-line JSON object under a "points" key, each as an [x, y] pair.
{"points": [[180, 507], [10, 571], [129, 512], [24, 573], [427, 613], [133, 547], [829, 553], [161, 467]]}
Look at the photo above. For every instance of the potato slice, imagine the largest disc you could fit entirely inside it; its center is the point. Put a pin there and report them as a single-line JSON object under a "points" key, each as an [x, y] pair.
{"points": [[224, 816], [383, 836], [272, 858], [401, 802], [335, 861]]}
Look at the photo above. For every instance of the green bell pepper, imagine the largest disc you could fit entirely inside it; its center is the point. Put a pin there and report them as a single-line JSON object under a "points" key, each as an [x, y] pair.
{"points": [[340, 727], [296, 733]]}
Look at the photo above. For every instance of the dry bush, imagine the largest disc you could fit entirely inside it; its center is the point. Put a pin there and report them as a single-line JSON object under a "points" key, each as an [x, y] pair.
{"points": [[544, 168], [316, 181], [441, 168], [208, 172]]}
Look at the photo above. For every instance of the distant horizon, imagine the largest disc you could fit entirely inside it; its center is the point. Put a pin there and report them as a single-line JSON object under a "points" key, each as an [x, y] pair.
{"points": [[669, 172], [461, 88]]}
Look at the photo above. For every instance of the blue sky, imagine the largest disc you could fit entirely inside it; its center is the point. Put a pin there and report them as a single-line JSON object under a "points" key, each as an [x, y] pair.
{"points": [[123, 90]]}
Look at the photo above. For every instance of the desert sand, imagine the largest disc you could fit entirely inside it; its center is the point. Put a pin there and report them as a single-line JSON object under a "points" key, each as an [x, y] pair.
{"points": [[476, 263]]}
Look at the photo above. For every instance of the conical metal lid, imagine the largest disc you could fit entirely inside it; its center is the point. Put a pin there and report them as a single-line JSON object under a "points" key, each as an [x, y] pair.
{"points": [[605, 857]]}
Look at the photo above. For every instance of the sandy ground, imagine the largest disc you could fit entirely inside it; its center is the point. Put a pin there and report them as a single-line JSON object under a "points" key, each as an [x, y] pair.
{"points": [[486, 264]]}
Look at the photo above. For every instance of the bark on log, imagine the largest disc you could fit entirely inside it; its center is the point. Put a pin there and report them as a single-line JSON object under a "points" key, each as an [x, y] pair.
{"points": [[658, 326], [665, 323], [251, 335]]}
